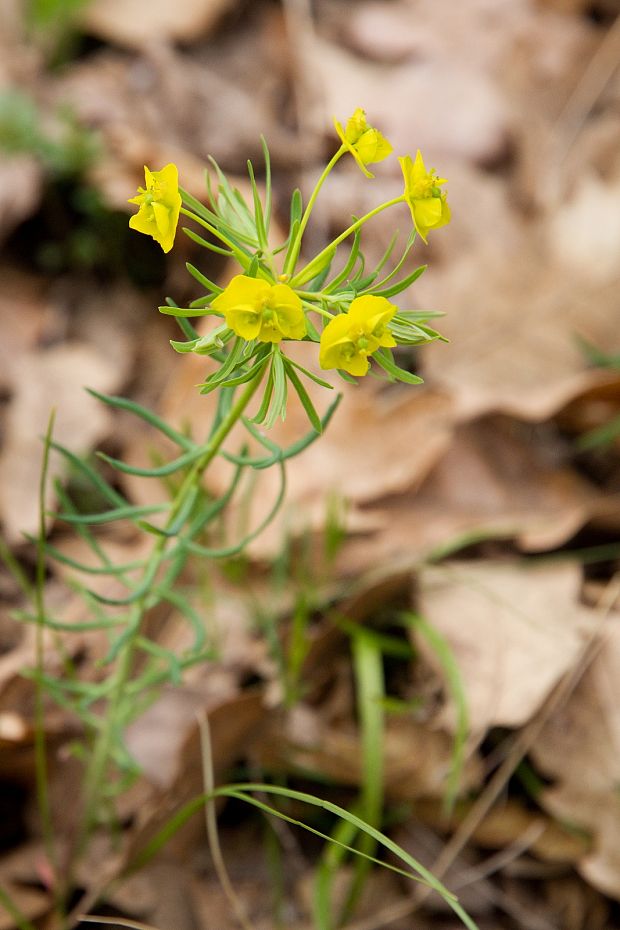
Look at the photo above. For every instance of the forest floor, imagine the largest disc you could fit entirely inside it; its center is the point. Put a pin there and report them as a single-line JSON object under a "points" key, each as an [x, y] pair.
{"points": [[470, 526]]}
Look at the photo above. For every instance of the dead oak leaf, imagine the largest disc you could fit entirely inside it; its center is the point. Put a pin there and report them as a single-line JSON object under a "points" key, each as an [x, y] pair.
{"points": [[51, 379], [579, 749], [513, 332], [514, 631], [498, 479]]}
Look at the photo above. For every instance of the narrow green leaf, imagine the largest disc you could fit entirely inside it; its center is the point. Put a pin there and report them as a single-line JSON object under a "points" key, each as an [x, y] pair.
{"points": [[259, 218], [187, 312], [229, 253], [348, 267], [101, 485], [400, 285], [226, 552], [159, 471], [278, 404], [121, 403], [129, 512], [307, 404], [268, 195], [310, 374], [202, 279], [281, 455], [267, 395], [384, 359]]}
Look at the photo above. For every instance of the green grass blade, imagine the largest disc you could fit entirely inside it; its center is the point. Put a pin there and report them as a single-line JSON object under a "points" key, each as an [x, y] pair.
{"points": [[452, 675], [242, 791]]}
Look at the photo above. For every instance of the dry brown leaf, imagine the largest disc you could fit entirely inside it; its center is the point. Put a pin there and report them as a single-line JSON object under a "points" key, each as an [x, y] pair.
{"points": [[513, 630], [513, 324], [579, 749], [417, 759], [506, 824], [21, 179], [583, 249], [54, 378], [478, 134], [498, 479], [21, 328], [235, 724], [141, 23], [21, 874]]}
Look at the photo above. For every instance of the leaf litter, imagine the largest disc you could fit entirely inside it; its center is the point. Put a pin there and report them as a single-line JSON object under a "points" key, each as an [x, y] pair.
{"points": [[482, 459]]}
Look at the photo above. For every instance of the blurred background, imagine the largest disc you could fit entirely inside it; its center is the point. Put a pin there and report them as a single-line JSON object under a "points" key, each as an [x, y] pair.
{"points": [[488, 500]]}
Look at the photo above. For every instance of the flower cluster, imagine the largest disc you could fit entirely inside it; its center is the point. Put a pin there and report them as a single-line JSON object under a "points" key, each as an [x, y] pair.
{"points": [[273, 301]]}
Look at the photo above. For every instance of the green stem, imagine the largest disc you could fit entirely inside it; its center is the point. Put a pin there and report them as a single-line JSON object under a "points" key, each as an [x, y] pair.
{"points": [[316, 308], [313, 267], [40, 752], [96, 772], [293, 255]]}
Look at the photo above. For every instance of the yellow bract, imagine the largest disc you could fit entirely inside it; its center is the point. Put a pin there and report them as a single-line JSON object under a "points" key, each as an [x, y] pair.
{"points": [[427, 203], [348, 339], [365, 143], [160, 203], [255, 309]]}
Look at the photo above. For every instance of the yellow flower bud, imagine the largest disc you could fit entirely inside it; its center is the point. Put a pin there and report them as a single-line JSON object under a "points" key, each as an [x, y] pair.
{"points": [[365, 143]]}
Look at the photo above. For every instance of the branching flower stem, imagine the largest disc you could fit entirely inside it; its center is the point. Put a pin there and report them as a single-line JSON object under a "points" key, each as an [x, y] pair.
{"points": [[312, 268], [294, 253], [100, 758]]}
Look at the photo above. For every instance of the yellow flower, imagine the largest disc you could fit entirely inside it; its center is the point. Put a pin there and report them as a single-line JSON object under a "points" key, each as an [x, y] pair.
{"points": [[427, 203], [348, 339], [365, 143], [159, 204], [255, 309]]}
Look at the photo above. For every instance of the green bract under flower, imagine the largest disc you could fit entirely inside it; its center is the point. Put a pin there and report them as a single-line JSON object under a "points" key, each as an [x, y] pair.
{"points": [[364, 142], [427, 202], [348, 339], [255, 309], [160, 203]]}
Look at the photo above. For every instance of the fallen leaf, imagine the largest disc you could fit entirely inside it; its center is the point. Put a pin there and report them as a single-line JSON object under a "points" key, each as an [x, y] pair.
{"points": [[54, 378], [21, 181], [513, 630], [417, 759], [506, 824], [585, 249], [498, 480], [579, 749], [140, 23], [513, 325]]}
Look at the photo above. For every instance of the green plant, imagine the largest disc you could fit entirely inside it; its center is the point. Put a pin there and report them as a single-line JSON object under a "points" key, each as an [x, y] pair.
{"points": [[349, 316]]}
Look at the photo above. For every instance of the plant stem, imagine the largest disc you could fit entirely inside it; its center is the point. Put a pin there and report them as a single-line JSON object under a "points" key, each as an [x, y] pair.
{"points": [[313, 267], [39, 710], [96, 771], [293, 255]]}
